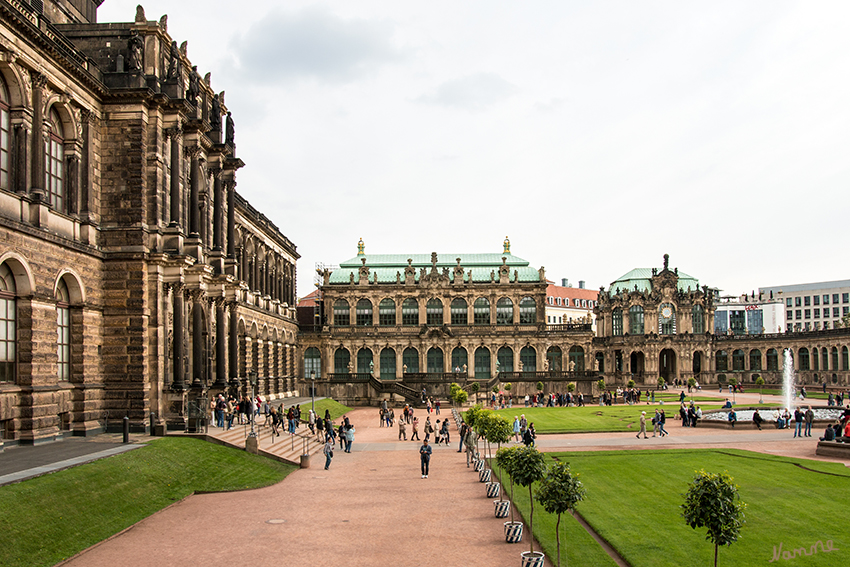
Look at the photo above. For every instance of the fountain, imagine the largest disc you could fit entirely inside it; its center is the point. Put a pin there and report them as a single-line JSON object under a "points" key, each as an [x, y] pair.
{"points": [[788, 387]]}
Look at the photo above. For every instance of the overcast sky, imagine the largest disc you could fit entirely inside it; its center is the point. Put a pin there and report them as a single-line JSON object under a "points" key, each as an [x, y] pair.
{"points": [[598, 136]]}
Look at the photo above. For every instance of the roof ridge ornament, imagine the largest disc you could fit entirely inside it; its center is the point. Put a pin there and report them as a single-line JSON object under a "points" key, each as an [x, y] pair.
{"points": [[507, 244], [361, 247], [666, 262]]}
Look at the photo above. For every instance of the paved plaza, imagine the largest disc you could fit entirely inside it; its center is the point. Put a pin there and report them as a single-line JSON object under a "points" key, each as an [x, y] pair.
{"points": [[372, 507]]}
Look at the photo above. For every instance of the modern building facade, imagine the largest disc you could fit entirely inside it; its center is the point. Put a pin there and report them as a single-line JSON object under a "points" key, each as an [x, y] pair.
{"points": [[813, 306], [134, 279], [395, 324], [749, 316], [566, 304]]}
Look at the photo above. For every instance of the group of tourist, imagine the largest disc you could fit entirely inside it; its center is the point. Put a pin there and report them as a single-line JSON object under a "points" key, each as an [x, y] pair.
{"points": [[690, 414]]}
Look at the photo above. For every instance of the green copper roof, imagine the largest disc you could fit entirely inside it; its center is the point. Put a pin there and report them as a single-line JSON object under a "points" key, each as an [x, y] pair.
{"points": [[386, 266], [642, 278]]}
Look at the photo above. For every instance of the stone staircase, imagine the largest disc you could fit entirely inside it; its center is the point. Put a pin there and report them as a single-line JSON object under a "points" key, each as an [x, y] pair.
{"points": [[284, 447]]}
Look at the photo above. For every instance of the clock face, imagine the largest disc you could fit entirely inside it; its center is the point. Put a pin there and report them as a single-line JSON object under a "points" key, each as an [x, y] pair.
{"points": [[666, 312]]}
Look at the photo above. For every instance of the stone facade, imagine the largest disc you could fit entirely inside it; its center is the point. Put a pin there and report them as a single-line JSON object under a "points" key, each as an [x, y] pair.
{"points": [[395, 324], [134, 279]]}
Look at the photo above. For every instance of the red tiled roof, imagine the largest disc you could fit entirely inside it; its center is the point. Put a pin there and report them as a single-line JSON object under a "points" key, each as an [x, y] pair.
{"points": [[571, 292], [309, 300]]}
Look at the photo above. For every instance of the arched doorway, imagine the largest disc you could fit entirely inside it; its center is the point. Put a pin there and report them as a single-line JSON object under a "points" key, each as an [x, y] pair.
{"points": [[637, 363], [697, 363], [667, 364]]}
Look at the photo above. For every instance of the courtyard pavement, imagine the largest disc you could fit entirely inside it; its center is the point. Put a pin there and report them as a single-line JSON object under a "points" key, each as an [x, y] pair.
{"points": [[373, 508]]}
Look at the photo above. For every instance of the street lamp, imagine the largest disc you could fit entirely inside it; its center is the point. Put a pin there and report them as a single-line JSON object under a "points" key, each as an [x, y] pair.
{"points": [[313, 391]]}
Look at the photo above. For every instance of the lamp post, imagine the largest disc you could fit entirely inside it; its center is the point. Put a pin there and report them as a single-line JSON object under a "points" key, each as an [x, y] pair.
{"points": [[252, 378], [313, 391]]}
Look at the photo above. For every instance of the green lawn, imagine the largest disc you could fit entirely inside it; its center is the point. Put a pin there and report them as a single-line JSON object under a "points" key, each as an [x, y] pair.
{"points": [[337, 409], [592, 418], [52, 517], [633, 500]]}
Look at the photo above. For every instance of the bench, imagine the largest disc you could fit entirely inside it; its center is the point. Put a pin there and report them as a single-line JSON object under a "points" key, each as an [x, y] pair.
{"points": [[833, 449]]}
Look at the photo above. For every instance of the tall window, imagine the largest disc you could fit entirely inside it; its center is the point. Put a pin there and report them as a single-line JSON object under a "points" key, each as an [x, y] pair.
{"points": [[755, 321], [738, 360], [824, 357], [617, 322], [387, 364], [312, 362], [8, 325], [505, 359], [459, 359], [527, 311], [721, 361], [815, 359], [481, 311], [528, 357], [409, 312], [63, 328], [635, 320], [772, 359], [755, 359], [504, 312], [342, 314], [342, 358], [435, 360], [804, 359], [54, 150], [364, 313], [460, 312], [410, 360], [5, 139], [576, 363], [386, 312], [434, 312], [844, 358], [364, 358], [666, 319], [698, 316], [482, 363]]}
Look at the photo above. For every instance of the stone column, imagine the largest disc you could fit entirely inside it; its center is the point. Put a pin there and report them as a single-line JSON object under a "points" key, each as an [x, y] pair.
{"points": [[218, 197], [231, 219], [197, 337], [174, 195], [178, 381], [233, 345], [88, 118], [39, 82], [194, 182], [220, 351]]}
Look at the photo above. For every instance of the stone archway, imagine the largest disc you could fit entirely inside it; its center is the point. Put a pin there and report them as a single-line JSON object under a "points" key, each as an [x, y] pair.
{"points": [[667, 365]]}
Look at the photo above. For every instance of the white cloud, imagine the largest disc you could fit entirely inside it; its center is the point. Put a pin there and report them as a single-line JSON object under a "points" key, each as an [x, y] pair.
{"points": [[471, 92]]}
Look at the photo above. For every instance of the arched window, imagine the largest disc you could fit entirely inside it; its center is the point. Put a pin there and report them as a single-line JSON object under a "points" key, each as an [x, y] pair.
{"points": [[635, 320], [54, 155], [576, 355], [815, 359], [738, 360], [5, 136], [8, 325], [460, 312], [617, 322], [550, 300], [364, 313], [666, 319], [772, 360], [387, 364], [63, 330], [386, 313], [459, 359], [553, 355], [844, 358], [342, 358], [482, 363], [364, 361], [834, 353], [435, 361], [804, 359], [504, 312], [312, 362], [600, 362], [527, 311], [409, 312], [721, 361], [698, 315], [410, 360], [434, 312], [342, 313], [755, 359], [481, 312], [824, 357], [528, 357], [505, 360]]}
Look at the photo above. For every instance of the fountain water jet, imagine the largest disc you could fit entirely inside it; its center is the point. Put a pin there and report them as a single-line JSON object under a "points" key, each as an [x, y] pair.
{"points": [[788, 386]]}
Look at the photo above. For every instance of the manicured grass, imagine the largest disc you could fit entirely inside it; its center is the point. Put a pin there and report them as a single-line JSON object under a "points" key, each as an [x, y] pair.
{"points": [[633, 500], [337, 409], [591, 418], [52, 517]]}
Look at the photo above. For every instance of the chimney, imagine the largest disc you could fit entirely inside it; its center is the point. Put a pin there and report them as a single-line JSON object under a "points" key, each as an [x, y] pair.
{"points": [[581, 284], [565, 282]]}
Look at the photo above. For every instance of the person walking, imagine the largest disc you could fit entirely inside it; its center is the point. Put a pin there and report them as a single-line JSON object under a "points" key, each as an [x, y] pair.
{"points": [[402, 430], [655, 419], [425, 457], [809, 416], [444, 432], [463, 429], [349, 438], [662, 419], [516, 429], [328, 450], [642, 425], [428, 429], [414, 434]]}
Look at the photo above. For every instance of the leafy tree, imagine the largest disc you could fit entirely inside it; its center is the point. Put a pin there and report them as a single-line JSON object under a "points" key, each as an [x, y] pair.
{"points": [[505, 459], [713, 502], [460, 396], [508, 387], [661, 383], [471, 415], [630, 384], [733, 381], [496, 389], [600, 384], [560, 491], [691, 383], [475, 388], [529, 466], [760, 384], [496, 429], [539, 386]]}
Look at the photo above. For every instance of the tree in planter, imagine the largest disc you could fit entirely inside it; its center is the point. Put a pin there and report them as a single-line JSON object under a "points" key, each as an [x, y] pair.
{"points": [[713, 502], [460, 396], [691, 383], [600, 385], [760, 384], [630, 384], [733, 381], [508, 388], [497, 430], [480, 426], [559, 492], [661, 383], [475, 388], [453, 388], [529, 466], [571, 387], [539, 387], [505, 459]]}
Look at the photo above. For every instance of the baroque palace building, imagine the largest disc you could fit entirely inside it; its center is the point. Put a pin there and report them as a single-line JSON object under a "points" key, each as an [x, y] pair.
{"points": [[134, 279], [393, 325], [653, 324]]}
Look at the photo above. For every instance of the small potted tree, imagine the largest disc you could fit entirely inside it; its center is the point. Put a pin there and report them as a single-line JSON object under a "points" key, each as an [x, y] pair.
{"points": [[539, 387], [571, 387], [499, 431], [760, 384], [529, 466], [733, 381], [559, 492], [505, 459], [480, 427], [600, 385], [507, 387]]}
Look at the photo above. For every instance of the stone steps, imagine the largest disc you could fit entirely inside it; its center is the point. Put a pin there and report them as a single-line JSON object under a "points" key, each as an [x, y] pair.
{"points": [[283, 447]]}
